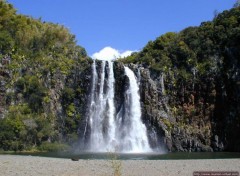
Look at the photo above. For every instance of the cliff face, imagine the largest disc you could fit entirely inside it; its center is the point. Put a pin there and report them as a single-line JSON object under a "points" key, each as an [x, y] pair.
{"points": [[182, 120], [4, 77], [192, 116], [162, 117], [227, 106], [190, 84], [201, 114]]}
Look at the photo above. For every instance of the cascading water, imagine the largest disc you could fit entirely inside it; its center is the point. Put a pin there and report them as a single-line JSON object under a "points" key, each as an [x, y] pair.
{"points": [[92, 103], [101, 115], [112, 131], [134, 134]]}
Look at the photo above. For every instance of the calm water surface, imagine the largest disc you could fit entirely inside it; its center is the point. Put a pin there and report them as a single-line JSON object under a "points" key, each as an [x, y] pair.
{"points": [[147, 156]]}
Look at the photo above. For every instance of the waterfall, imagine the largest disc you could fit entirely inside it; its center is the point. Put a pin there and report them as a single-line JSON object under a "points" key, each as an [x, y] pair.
{"points": [[92, 102], [101, 111], [112, 131], [135, 138]]}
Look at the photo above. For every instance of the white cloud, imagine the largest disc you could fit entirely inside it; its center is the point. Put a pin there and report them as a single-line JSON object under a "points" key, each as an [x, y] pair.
{"points": [[109, 53], [126, 53]]}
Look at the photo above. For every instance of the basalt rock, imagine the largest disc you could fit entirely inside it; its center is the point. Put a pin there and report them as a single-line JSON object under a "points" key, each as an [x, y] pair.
{"points": [[190, 116], [5, 75]]}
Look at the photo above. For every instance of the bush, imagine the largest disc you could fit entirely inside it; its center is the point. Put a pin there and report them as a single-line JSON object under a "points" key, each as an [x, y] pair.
{"points": [[51, 147]]}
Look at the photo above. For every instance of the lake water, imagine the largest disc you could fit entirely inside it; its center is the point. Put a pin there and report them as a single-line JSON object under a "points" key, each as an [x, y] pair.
{"points": [[147, 156]]}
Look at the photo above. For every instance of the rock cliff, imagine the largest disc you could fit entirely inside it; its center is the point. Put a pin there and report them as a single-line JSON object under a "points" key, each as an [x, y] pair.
{"points": [[191, 116]]}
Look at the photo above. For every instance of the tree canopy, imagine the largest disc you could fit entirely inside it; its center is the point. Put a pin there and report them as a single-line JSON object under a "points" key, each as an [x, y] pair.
{"points": [[38, 54]]}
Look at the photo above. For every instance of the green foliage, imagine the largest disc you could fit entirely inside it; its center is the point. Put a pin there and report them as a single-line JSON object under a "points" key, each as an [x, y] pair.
{"points": [[129, 59], [71, 110], [53, 147], [41, 55], [44, 47], [191, 48], [68, 95], [9, 133], [6, 42], [22, 129], [167, 123], [200, 48], [71, 122], [33, 91], [71, 125]]}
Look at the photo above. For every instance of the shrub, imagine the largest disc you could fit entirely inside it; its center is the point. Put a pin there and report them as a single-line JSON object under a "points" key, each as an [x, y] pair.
{"points": [[51, 147]]}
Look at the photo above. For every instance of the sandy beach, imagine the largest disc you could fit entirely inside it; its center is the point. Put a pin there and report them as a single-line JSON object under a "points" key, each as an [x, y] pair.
{"points": [[12, 165]]}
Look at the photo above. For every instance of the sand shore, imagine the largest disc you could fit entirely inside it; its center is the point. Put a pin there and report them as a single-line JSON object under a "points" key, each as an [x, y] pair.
{"points": [[12, 165]]}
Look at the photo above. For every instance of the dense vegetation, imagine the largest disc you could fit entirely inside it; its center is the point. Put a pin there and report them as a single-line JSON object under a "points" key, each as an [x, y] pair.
{"points": [[196, 54], [195, 48], [34, 56]]}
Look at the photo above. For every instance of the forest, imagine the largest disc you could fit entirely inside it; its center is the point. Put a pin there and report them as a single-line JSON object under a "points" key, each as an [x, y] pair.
{"points": [[33, 54]]}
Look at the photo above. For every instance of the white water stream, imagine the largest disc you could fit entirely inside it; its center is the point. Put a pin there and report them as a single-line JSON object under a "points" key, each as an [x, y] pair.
{"points": [[113, 131]]}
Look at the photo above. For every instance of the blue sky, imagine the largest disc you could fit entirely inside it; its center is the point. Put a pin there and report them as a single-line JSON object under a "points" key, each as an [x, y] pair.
{"points": [[125, 25]]}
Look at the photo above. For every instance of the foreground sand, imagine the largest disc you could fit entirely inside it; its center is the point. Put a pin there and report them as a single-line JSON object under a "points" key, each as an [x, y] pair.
{"points": [[28, 165]]}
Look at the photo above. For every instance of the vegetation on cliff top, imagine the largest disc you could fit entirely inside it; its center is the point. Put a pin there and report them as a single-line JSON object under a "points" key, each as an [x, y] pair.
{"points": [[194, 48], [34, 55], [201, 68]]}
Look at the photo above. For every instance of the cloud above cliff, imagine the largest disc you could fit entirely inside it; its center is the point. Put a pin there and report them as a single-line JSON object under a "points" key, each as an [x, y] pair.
{"points": [[109, 53]]}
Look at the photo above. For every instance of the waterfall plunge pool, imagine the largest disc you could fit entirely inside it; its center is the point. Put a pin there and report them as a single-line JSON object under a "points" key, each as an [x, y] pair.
{"points": [[135, 156]]}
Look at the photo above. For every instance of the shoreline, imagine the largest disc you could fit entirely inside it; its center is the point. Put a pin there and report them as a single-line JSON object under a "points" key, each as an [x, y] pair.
{"points": [[34, 165]]}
